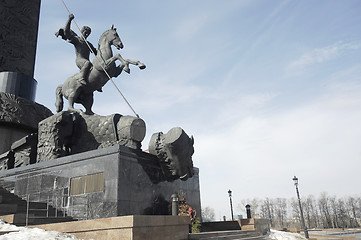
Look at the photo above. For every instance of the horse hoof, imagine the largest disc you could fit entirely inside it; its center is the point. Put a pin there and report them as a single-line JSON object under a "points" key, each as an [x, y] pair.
{"points": [[127, 70], [141, 66]]}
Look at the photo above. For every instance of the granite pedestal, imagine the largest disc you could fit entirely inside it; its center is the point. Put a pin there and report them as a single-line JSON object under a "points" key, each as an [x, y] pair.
{"points": [[126, 228], [113, 181]]}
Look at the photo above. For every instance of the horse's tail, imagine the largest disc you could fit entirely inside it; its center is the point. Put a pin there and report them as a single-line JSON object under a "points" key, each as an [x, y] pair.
{"points": [[59, 99]]}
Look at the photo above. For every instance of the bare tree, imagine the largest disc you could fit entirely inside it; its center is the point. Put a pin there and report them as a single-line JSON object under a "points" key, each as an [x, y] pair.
{"points": [[333, 207], [354, 212], [296, 215], [267, 209], [280, 208], [254, 203], [315, 214], [208, 214], [344, 216], [323, 205], [307, 211], [310, 211], [324, 212]]}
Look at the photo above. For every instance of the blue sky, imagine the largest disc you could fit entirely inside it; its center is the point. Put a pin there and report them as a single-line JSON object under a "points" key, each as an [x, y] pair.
{"points": [[269, 89]]}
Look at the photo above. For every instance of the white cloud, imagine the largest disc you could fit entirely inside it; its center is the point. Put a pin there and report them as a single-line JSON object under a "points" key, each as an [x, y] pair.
{"points": [[258, 155], [320, 55]]}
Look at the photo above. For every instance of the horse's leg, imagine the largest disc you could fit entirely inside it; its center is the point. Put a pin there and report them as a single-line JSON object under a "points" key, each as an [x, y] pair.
{"points": [[59, 98], [72, 97], [125, 63], [137, 63], [118, 70], [87, 102], [105, 64]]}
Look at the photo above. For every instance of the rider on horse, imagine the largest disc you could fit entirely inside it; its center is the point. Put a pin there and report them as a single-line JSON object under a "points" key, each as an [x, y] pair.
{"points": [[81, 46], [102, 70]]}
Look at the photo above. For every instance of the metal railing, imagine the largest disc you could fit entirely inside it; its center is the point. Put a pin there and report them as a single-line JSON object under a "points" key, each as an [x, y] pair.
{"points": [[62, 203], [49, 204]]}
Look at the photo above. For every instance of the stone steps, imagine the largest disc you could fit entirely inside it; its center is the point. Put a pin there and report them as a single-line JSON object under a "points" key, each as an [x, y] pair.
{"points": [[13, 210], [225, 235], [19, 219]]}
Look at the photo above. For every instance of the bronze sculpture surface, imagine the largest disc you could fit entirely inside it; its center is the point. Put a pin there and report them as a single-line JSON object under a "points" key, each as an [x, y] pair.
{"points": [[81, 45], [93, 163], [80, 87], [174, 151], [74, 131]]}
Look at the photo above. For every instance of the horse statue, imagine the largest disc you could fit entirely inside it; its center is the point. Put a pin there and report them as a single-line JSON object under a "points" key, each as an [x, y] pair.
{"points": [[103, 69]]}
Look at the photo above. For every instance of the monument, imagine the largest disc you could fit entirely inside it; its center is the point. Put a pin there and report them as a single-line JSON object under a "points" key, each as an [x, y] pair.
{"points": [[88, 165], [18, 35]]}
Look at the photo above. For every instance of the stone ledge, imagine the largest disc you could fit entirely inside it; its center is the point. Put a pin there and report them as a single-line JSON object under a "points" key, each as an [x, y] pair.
{"points": [[126, 227], [80, 157]]}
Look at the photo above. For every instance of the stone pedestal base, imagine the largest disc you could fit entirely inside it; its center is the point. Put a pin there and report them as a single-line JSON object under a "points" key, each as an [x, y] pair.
{"points": [[126, 228], [109, 182]]}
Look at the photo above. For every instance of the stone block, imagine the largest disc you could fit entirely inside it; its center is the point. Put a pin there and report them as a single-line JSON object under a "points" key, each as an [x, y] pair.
{"points": [[126, 227], [109, 209], [126, 191]]}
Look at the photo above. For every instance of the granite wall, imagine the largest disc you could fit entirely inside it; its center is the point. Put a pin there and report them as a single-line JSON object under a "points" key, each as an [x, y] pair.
{"points": [[129, 180]]}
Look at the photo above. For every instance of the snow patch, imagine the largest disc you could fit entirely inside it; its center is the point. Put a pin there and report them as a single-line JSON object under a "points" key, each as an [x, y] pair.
{"points": [[23, 233], [279, 235]]}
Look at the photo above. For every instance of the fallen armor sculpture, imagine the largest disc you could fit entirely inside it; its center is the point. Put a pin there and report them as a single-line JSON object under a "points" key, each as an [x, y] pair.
{"points": [[79, 90], [174, 151]]}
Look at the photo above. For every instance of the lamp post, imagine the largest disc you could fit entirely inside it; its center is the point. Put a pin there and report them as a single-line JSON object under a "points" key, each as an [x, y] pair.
{"points": [[230, 201], [248, 211], [175, 202], [295, 180]]}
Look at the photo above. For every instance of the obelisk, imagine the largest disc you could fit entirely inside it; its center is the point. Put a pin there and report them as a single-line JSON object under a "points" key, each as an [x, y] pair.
{"points": [[19, 114], [19, 20]]}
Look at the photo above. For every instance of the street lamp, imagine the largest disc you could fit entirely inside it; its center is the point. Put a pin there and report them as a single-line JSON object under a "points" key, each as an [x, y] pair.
{"points": [[248, 211], [295, 180], [175, 202], [230, 200]]}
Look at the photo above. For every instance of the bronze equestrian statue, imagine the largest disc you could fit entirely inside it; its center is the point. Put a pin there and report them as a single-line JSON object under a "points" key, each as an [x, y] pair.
{"points": [[92, 76]]}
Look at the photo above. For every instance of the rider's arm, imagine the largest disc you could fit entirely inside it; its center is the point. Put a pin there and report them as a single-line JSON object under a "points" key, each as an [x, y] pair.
{"points": [[69, 34], [67, 30], [93, 48]]}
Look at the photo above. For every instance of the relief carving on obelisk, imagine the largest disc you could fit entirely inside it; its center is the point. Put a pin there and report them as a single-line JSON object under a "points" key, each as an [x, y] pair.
{"points": [[18, 25]]}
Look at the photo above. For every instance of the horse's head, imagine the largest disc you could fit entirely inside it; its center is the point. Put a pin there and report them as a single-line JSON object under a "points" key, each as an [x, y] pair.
{"points": [[113, 38]]}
